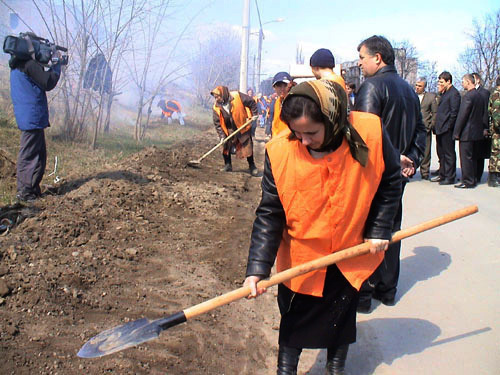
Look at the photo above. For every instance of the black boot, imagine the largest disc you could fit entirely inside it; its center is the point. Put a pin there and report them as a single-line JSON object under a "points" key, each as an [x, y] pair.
{"points": [[251, 167], [227, 163], [493, 179], [288, 360], [335, 364]]}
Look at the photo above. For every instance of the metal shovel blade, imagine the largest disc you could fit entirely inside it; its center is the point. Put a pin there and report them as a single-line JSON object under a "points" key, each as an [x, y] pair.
{"points": [[121, 337], [194, 163]]}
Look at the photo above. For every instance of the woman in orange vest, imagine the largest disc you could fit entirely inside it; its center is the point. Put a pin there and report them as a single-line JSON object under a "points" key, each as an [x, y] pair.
{"points": [[230, 111], [330, 183]]}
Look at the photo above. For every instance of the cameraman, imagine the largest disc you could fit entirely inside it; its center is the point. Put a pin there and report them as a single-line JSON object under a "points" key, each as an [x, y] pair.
{"points": [[29, 82]]}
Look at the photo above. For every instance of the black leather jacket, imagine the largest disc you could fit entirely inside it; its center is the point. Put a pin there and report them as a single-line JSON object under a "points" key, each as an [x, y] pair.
{"points": [[270, 221], [390, 97]]}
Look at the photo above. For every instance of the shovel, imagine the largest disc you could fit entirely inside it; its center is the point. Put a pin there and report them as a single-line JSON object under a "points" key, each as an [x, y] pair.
{"points": [[196, 163], [142, 330]]}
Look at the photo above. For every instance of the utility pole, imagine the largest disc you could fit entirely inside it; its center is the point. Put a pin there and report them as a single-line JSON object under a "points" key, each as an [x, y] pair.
{"points": [[259, 59], [245, 36]]}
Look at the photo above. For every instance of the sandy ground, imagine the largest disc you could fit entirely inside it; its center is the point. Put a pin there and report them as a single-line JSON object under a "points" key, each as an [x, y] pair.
{"points": [[149, 237]]}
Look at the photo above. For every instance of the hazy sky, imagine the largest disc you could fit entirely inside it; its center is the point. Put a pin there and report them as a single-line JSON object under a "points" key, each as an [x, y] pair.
{"points": [[436, 28]]}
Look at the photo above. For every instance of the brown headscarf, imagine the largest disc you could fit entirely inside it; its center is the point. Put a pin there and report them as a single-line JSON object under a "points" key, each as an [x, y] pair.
{"points": [[332, 100], [223, 91]]}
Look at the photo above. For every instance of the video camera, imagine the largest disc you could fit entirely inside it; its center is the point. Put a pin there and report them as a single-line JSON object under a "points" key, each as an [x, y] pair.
{"points": [[28, 46]]}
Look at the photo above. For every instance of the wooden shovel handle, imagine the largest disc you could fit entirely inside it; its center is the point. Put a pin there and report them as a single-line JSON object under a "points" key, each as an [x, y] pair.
{"points": [[227, 138], [325, 261]]}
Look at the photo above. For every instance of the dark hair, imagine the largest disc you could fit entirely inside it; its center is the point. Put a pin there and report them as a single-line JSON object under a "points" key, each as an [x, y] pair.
{"points": [[379, 44], [498, 81], [446, 76], [297, 106], [352, 86]]}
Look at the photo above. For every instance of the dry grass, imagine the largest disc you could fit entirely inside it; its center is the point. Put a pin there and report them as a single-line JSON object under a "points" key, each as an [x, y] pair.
{"points": [[79, 158]]}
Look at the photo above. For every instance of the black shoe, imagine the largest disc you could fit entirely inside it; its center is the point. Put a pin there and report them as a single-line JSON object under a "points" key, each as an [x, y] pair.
{"points": [[425, 177], [28, 198], [464, 186], [386, 300], [446, 182], [436, 179], [227, 168], [493, 179], [364, 305], [254, 171], [435, 173]]}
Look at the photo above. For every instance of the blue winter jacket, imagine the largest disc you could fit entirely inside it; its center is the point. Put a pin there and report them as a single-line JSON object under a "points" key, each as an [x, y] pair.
{"points": [[28, 86]]}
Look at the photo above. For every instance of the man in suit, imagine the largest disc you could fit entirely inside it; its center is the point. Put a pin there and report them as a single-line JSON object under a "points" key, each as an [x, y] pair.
{"points": [[428, 108], [483, 148], [385, 94], [469, 130], [446, 116]]}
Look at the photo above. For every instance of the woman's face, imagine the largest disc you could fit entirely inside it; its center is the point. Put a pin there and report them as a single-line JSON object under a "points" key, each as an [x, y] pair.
{"points": [[310, 133]]}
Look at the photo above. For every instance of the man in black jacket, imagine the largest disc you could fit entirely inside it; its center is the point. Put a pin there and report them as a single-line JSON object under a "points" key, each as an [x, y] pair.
{"points": [[446, 116], [482, 149], [385, 94], [469, 130]]}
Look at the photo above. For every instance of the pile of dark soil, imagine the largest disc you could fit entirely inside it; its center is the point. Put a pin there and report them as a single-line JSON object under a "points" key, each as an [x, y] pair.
{"points": [[145, 237]]}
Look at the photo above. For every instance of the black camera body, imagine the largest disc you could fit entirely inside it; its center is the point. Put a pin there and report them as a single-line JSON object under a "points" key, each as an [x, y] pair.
{"points": [[28, 46]]}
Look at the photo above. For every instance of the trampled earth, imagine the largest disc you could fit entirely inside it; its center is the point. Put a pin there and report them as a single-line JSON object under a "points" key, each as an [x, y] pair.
{"points": [[146, 237]]}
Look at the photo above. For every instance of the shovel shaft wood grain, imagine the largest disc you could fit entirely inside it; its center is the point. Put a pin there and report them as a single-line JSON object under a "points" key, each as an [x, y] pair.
{"points": [[325, 261]]}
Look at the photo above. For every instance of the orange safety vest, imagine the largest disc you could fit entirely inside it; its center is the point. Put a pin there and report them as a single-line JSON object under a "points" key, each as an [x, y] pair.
{"points": [[336, 78], [239, 113], [278, 126], [326, 202], [178, 109]]}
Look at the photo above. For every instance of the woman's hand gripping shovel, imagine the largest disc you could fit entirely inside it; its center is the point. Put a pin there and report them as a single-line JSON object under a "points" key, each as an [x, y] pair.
{"points": [[196, 163], [142, 330]]}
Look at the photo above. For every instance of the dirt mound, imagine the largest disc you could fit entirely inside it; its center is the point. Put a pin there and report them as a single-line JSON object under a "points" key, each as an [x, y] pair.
{"points": [[146, 237]]}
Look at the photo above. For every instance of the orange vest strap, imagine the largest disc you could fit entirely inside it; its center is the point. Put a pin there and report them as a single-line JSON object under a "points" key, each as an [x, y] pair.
{"points": [[278, 126], [239, 113]]}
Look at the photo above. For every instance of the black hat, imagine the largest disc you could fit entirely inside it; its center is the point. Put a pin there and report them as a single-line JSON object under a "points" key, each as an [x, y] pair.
{"points": [[322, 58], [282, 77]]}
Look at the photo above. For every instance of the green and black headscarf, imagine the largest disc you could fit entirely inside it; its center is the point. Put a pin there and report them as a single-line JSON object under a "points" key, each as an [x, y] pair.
{"points": [[332, 100]]}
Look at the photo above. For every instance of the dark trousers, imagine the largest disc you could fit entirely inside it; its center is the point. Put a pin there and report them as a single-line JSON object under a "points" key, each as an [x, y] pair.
{"points": [[426, 162], [254, 128], [445, 146], [384, 280], [31, 162], [479, 170], [467, 162]]}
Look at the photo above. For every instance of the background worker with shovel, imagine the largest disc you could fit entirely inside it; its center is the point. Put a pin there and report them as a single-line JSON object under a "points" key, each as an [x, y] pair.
{"points": [[230, 111], [329, 184]]}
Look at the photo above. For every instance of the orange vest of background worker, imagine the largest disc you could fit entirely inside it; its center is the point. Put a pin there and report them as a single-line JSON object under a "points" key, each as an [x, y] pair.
{"points": [[170, 107], [230, 111], [322, 63], [282, 82]]}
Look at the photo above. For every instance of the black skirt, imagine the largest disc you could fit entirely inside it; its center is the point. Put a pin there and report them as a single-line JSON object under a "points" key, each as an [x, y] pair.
{"points": [[319, 322]]}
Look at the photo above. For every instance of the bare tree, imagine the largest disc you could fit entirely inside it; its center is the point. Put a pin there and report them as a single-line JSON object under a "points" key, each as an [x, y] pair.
{"points": [[406, 60], [483, 56], [427, 69], [299, 55], [88, 28], [216, 63]]}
